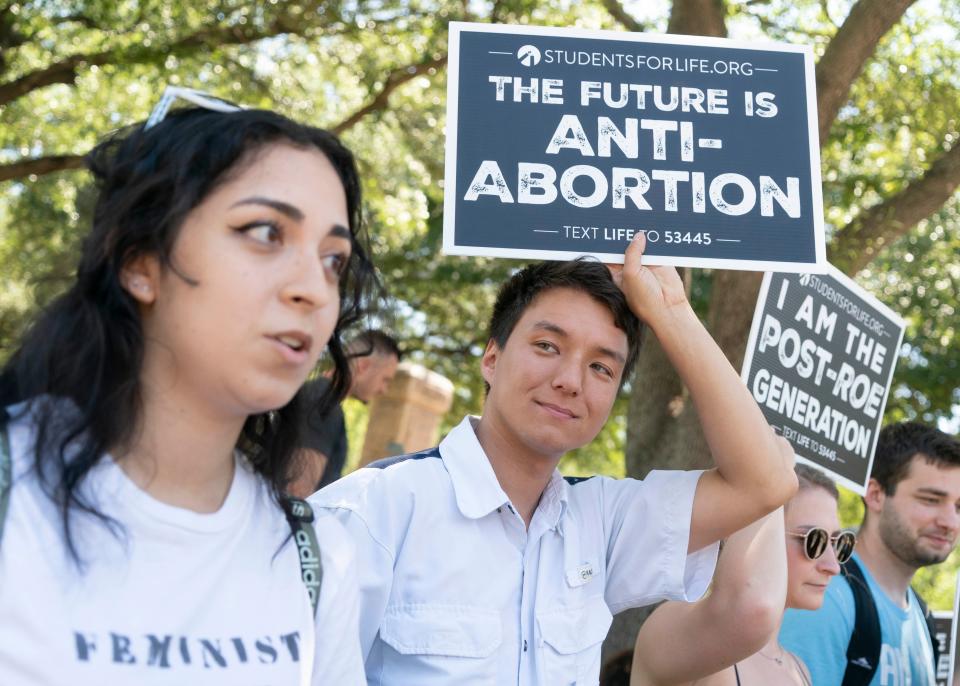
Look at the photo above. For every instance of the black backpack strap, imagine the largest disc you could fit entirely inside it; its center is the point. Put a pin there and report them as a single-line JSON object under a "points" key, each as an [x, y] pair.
{"points": [[863, 651], [6, 470], [300, 517], [931, 628]]}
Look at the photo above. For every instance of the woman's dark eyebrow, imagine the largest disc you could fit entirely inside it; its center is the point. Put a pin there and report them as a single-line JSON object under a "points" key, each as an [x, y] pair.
{"points": [[283, 207], [337, 230], [340, 231]]}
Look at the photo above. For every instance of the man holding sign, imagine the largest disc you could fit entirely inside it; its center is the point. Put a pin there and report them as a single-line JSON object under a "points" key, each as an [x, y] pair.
{"points": [[480, 563], [911, 520]]}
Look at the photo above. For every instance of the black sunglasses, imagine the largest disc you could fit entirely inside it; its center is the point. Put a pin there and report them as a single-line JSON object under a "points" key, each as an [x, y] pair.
{"points": [[815, 543]]}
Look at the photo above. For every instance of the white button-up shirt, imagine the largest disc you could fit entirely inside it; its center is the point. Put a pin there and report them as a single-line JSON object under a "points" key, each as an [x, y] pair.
{"points": [[455, 589]]}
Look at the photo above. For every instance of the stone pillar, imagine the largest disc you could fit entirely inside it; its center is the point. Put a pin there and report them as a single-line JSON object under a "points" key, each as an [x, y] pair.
{"points": [[407, 417]]}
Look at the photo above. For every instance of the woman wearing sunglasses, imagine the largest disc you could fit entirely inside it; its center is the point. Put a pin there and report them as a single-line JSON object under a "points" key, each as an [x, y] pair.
{"points": [[150, 417], [730, 637]]}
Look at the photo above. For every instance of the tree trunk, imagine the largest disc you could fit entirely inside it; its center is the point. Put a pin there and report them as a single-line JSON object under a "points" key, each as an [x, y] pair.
{"points": [[663, 431]]}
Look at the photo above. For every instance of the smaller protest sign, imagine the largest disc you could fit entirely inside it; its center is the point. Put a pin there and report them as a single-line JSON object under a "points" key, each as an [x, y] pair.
{"points": [[819, 362], [943, 621]]}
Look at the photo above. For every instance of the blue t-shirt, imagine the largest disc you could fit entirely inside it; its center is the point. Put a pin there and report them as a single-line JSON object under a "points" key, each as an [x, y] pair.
{"points": [[820, 637]]}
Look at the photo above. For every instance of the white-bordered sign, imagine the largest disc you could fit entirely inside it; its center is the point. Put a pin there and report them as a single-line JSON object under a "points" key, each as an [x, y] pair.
{"points": [[945, 631], [954, 673], [564, 142], [820, 362]]}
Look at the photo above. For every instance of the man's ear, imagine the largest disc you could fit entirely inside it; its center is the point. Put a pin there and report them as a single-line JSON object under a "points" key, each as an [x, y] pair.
{"points": [[361, 364], [875, 497], [488, 363], [139, 277]]}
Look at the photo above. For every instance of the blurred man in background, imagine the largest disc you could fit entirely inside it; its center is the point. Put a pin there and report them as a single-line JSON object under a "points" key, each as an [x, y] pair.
{"points": [[374, 357]]}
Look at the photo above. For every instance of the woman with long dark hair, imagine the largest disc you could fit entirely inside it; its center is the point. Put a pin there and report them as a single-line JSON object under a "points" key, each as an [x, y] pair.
{"points": [[150, 416]]}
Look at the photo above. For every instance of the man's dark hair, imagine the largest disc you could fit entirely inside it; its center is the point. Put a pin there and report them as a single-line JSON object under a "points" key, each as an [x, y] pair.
{"points": [[898, 443], [373, 341], [587, 276]]}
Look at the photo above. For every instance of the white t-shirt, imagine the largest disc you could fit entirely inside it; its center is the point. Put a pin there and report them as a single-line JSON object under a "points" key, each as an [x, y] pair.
{"points": [[176, 598]]}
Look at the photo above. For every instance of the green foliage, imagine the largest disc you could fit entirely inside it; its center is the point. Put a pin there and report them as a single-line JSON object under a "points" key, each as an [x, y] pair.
{"points": [[355, 416], [329, 62], [919, 277], [850, 509], [937, 584]]}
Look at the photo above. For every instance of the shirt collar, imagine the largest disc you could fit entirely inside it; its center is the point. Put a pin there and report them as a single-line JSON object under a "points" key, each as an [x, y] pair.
{"points": [[553, 502], [475, 484]]}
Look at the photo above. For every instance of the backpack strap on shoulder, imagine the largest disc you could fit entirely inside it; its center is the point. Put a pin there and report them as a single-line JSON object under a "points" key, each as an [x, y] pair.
{"points": [[300, 518], [931, 627], [863, 651], [6, 470]]}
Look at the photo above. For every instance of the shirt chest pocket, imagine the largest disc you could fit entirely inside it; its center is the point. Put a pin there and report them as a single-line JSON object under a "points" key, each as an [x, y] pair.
{"points": [[570, 640], [440, 644]]}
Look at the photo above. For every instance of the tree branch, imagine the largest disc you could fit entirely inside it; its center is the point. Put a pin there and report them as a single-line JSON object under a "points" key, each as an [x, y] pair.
{"points": [[698, 18], [849, 50], [772, 27], [825, 9], [661, 430], [616, 10], [65, 71], [394, 80], [39, 166], [876, 227]]}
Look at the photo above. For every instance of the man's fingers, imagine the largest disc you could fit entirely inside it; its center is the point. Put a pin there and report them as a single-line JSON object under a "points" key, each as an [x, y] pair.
{"points": [[634, 253]]}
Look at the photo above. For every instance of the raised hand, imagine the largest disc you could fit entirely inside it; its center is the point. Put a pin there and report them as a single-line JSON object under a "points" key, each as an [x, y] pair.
{"points": [[652, 291]]}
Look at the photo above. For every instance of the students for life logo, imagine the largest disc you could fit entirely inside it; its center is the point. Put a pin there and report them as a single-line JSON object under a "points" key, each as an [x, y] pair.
{"points": [[529, 55]]}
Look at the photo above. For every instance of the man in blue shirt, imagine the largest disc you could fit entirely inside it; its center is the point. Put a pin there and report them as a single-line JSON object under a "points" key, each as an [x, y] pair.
{"points": [[911, 520]]}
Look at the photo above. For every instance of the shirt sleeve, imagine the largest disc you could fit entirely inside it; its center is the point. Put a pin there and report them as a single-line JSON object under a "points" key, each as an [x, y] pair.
{"points": [[374, 556], [648, 533], [820, 638], [337, 657]]}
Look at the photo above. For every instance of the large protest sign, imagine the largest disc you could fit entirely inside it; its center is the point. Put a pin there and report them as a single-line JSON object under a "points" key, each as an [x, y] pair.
{"points": [[563, 142], [819, 362]]}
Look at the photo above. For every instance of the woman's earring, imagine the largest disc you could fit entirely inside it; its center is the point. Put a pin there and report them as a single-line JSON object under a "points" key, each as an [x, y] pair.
{"points": [[141, 287]]}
